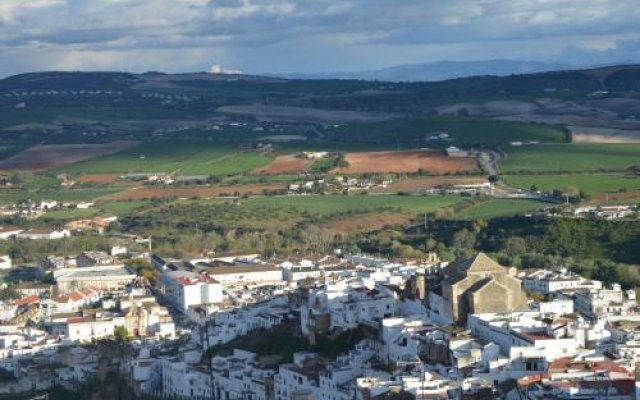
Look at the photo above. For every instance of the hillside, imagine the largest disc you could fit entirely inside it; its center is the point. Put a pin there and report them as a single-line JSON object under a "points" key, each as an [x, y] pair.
{"points": [[69, 107]]}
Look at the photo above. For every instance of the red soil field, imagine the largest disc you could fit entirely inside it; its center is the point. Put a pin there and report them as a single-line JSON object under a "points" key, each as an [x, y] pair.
{"points": [[286, 163], [186, 193], [406, 161], [49, 156], [103, 179], [615, 197]]}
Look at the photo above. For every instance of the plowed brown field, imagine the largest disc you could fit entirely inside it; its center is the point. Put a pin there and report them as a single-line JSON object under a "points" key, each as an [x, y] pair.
{"points": [[187, 193], [406, 161], [286, 163], [49, 156], [104, 179]]}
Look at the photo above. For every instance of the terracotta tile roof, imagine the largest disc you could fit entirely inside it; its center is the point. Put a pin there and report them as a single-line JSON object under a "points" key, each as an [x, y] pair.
{"points": [[61, 299], [76, 296], [27, 300], [564, 364]]}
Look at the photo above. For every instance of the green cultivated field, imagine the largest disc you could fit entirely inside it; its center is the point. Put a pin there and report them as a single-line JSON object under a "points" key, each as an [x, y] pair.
{"points": [[571, 158], [330, 204], [462, 131], [499, 208], [182, 157], [117, 208], [590, 184]]}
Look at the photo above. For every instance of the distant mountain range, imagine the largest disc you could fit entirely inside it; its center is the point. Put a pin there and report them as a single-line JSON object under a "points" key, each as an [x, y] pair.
{"points": [[440, 71]]}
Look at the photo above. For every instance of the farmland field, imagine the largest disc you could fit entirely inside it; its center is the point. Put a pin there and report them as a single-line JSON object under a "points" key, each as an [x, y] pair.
{"points": [[117, 208], [45, 157], [433, 162], [591, 184], [286, 163], [13, 196], [571, 158], [183, 157], [499, 208], [278, 113], [329, 204], [462, 131], [103, 179], [184, 193], [278, 213]]}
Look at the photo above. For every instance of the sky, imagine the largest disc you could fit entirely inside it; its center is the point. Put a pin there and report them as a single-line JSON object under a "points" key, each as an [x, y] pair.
{"points": [[305, 36]]}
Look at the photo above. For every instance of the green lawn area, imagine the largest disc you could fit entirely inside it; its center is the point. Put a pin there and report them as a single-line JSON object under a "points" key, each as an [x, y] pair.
{"points": [[462, 131], [571, 158], [330, 204], [499, 208], [181, 157], [13, 196], [590, 184]]}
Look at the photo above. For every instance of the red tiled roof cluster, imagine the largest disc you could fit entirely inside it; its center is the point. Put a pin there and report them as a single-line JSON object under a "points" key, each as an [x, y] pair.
{"points": [[26, 300]]}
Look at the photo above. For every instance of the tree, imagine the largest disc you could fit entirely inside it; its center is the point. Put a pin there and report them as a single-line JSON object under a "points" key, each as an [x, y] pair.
{"points": [[430, 244], [584, 196], [8, 294], [20, 177], [515, 246], [464, 239], [317, 239], [570, 192], [121, 334]]}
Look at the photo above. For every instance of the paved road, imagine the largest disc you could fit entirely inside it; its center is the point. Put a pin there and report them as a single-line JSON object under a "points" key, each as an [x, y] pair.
{"points": [[489, 160]]}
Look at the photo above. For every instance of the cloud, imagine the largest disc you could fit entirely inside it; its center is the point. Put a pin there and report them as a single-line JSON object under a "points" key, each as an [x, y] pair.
{"points": [[296, 35], [219, 69]]}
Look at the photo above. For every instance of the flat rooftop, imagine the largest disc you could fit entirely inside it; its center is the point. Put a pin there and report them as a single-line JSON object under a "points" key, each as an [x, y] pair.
{"points": [[75, 273]]}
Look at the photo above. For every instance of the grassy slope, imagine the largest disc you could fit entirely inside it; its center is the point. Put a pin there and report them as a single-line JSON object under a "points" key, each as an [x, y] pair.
{"points": [[338, 203], [499, 208], [276, 213], [571, 158]]}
